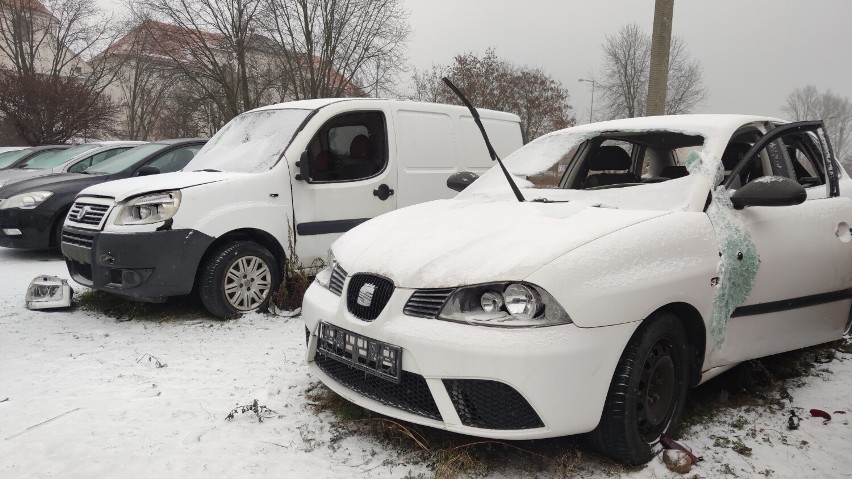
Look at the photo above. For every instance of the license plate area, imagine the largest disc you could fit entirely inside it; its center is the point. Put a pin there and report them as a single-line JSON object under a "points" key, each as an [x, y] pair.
{"points": [[369, 355]]}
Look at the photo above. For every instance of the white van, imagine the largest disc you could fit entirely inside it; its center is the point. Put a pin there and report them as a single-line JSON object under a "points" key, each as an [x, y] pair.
{"points": [[301, 172]]}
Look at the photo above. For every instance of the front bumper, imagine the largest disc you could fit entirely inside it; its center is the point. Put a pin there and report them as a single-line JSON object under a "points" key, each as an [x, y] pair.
{"points": [[561, 373], [147, 266], [34, 226]]}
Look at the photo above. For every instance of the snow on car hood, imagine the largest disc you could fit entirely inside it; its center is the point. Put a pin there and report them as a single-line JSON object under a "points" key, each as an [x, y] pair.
{"points": [[449, 243], [123, 189]]}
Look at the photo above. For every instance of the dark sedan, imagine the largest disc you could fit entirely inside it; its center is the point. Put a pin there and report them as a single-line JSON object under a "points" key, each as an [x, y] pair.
{"points": [[11, 159], [32, 211]]}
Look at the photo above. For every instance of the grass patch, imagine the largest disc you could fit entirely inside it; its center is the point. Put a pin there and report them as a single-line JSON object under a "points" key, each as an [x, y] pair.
{"points": [[176, 308]]}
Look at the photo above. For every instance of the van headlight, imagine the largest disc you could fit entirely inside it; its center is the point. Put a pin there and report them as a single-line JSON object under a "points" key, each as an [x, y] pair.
{"points": [[148, 209], [26, 201], [504, 305]]}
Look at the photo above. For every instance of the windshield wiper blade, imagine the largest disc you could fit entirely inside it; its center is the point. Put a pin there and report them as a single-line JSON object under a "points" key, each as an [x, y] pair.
{"points": [[491, 151], [207, 170], [545, 200]]}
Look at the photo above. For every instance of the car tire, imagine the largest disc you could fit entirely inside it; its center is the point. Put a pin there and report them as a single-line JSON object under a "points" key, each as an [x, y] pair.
{"points": [[647, 393], [56, 233], [238, 277]]}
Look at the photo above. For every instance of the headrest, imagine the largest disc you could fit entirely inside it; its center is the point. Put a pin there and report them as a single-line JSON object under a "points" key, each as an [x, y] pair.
{"points": [[733, 154], [360, 147], [320, 162], [609, 158], [674, 172]]}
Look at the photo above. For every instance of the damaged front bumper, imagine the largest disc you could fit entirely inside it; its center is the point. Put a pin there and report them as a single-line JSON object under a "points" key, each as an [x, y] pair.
{"points": [[147, 266]]}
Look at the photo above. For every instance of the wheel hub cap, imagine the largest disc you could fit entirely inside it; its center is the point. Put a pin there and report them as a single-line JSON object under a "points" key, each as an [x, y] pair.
{"points": [[247, 283]]}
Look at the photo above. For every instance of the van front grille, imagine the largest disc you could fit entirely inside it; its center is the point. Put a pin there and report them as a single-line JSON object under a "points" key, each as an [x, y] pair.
{"points": [[87, 215]]}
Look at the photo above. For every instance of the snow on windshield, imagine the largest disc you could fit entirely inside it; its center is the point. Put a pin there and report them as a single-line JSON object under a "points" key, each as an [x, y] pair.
{"points": [[250, 143], [555, 148]]}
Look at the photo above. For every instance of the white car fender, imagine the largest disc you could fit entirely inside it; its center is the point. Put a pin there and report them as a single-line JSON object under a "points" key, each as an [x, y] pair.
{"points": [[606, 282]]}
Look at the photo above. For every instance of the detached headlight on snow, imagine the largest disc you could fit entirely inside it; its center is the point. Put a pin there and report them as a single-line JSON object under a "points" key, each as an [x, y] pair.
{"points": [[149, 209], [46, 292], [504, 305], [26, 201]]}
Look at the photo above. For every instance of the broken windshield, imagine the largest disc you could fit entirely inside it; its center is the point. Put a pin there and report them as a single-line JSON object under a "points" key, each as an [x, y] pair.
{"points": [[633, 169], [250, 143]]}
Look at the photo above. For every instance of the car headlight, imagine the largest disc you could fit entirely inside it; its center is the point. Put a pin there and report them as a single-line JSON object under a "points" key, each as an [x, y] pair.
{"points": [[26, 201], [504, 305], [148, 209], [324, 276]]}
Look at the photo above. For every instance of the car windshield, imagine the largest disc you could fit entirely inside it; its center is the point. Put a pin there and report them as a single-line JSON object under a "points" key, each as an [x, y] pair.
{"points": [[125, 160], [42, 162], [250, 143], [10, 157], [620, 169]]}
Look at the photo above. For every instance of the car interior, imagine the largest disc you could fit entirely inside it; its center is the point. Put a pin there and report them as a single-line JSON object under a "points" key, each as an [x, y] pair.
{"points": [[623, 159], [349, 147]]}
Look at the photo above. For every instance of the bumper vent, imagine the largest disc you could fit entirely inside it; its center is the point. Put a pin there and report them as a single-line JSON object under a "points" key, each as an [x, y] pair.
{"points": [[88, 215], [367, 295], [78, 238], [427, 303], [411, 394], [491, 405], [338, 277]]}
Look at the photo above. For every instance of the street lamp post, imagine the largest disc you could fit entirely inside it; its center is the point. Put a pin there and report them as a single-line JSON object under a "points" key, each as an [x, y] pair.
{"points": [[592, 107]]}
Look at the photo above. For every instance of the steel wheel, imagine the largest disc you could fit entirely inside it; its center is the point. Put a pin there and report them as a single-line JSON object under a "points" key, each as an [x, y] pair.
{"points": [[247, 283], [656, 391]]}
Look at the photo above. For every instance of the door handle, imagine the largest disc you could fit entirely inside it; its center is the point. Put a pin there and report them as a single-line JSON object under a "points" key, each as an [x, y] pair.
{"points": [[383, 192]]}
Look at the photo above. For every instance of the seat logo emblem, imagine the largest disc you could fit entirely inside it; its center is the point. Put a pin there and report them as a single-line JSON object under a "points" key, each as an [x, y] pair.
{"points": [[365, 294], [80, 214]]}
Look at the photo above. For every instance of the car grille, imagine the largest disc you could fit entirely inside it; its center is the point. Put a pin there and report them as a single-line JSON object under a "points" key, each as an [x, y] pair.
{"points": [[367, 295], [88, 215], [338, 277], [491, 405], [411, 394], [427, 303], [78, 238]]}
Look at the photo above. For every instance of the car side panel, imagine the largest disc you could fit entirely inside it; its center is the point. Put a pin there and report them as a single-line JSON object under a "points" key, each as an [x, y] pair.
{"points": [[627, 275]]}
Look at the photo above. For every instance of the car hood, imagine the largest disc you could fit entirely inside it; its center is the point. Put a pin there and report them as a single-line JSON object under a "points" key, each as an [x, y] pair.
{"points": [[57, 183], [450, 243], [13, 175], [123, 189]]}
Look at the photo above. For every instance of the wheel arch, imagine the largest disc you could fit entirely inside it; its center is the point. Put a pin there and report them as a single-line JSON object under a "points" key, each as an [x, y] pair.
{"points": [[244, 234], [696, 332]]}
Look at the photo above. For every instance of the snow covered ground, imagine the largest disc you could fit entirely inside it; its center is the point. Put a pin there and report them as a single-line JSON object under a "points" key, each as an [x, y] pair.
{"points": [[85, 401]]}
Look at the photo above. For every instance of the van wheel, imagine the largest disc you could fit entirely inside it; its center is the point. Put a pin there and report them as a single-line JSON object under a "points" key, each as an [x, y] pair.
{"points": [[647, 393], [238, 277]]}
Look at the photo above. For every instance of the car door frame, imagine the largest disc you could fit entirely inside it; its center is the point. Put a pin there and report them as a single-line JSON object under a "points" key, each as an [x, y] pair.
{"points": [[772, 319]]}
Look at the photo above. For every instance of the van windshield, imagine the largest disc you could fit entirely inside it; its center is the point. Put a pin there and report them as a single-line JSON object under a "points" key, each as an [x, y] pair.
{"points": [[250, 143]]}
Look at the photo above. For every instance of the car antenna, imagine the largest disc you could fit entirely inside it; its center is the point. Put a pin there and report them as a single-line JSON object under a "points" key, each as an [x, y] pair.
{"points": [[491, 151]]}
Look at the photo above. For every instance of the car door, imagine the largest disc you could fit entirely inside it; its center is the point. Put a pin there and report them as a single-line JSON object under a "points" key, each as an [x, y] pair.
{"points": [[801, 293], [350, 179]]}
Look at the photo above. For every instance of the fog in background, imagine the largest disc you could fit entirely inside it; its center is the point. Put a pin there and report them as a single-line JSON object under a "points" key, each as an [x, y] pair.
{"points": [[754, 52]]}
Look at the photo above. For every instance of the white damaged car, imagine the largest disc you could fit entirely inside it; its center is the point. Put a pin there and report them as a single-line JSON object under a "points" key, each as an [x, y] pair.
{"points": [[647, 256]]}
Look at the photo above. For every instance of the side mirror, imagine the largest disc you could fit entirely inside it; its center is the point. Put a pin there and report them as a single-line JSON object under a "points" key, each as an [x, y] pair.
{"points": [[769, 191], [304, 165], [461, 180], [148, 170]]}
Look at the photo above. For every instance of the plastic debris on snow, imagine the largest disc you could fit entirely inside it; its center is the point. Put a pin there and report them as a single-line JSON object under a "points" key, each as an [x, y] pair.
{"points": [[738, 261]]}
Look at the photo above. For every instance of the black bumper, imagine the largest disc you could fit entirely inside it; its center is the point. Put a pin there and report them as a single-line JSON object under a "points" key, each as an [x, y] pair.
{"points": [[142, 266], [34, 225]]}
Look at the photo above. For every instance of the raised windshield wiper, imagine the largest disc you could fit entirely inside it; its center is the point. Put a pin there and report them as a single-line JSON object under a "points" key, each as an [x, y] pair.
{"points": [[208, 170], [491, 151]]}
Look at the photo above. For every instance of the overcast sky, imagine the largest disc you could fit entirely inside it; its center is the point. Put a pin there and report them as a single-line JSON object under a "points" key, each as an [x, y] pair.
{"points": [[754, 52]]}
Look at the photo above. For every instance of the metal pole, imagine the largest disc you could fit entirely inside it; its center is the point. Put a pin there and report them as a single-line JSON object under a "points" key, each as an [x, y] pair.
{"points": [[592, 107]]}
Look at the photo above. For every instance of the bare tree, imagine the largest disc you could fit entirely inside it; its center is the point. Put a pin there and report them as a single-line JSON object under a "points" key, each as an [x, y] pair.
{"points": [[48, 45], [45, 109], [623, 83], [214, 43], [809, 104], [333, 48], [494, 83]]}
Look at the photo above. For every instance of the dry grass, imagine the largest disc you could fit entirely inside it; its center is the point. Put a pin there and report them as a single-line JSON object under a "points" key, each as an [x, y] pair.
{"points": [[176, 308]]}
